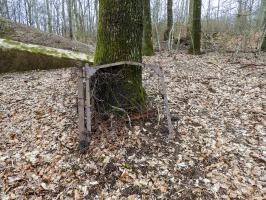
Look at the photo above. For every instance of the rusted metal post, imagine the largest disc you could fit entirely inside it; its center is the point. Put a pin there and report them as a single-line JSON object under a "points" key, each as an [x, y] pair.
{"points": [[83, 140], [88, 99], [166, 104]]}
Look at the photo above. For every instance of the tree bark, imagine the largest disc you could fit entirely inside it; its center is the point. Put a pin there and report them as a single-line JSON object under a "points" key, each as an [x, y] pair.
{"points": [[169, 19], [64, 19], [190, 19], [147, 47], [49, 17], [263, 46], [119, 38], [70, 22], [196, 28]]}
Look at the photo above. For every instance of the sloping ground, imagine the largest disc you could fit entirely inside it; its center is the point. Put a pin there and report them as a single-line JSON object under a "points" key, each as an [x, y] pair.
{"points": [[219, 108], [25, 34], [24, 48], [18, 56]]}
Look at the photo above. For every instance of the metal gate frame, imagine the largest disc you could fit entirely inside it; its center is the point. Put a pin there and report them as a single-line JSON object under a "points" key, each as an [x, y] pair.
{"points": [[84, 103]]}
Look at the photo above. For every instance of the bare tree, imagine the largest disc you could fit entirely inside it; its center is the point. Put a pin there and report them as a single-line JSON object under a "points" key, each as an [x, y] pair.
{"points": [[147, 29], [70, 21], [169, 19], [196, 28]]}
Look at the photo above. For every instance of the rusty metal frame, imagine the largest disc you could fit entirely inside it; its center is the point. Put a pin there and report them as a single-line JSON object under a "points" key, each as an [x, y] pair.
{"points": [[84, 104]]}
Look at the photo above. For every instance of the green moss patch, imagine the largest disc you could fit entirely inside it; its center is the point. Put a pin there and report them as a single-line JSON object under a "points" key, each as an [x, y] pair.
{"points": [[18, 56], [33, 48]]}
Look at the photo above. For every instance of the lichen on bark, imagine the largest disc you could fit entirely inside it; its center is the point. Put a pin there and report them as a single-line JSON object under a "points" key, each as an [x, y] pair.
{"points": [[119, 38]]}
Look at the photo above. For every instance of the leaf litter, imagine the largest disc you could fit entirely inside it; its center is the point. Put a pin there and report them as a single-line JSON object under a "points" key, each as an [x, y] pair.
{"points": [[218, 107]]}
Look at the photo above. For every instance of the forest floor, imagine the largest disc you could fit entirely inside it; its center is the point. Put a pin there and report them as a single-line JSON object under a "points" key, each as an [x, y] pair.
{"points": [[218, 103]]}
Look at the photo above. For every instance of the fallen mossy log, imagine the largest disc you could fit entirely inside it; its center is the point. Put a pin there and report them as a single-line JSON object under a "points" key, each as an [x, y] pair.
{"points": [[18, 56]]}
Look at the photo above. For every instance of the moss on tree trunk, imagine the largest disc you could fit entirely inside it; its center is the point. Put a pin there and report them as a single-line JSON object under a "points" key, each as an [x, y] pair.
{"points": [[169, 19], [196, 28], [119, 38], [147, 29]]}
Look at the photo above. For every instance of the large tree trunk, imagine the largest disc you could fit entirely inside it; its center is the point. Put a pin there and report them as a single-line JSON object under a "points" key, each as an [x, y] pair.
{"points": [[263, 46], [119, 38], [196, 28], [169, 19], [147, 31]]}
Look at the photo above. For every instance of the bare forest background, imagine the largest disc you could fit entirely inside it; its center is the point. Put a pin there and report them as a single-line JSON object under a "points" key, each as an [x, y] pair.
{"points": [[227, 25]]}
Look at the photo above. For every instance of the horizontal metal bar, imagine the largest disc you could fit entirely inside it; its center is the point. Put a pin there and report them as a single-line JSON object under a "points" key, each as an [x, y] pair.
{"points": [[93, 69]]}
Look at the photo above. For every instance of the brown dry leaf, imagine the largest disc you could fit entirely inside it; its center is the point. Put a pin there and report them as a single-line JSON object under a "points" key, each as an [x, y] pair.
{"points": [[217, 107], [77, 194], [125, 177]]}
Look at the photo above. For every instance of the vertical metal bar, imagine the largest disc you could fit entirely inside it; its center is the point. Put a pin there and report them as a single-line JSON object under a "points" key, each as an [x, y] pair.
{"points": [[166, 105], [81, 124], [88, 99]]}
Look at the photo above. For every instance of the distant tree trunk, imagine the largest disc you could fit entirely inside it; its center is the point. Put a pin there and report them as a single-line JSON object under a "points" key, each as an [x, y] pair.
{"points": [[96, 8], [69, 8], [88, 24], [147, 29], [2, 9], [6, 9], [76, 19], [64, 19], [119, 38], [57, 9], [196, 28], [28, 8], [263, 46], [155, 15], [190, 19], [169, 19], [208, 15], [186, 11], [241, 17], [81, 16], [218, 10], [49, 17], [36, 15], [182, 11]]}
